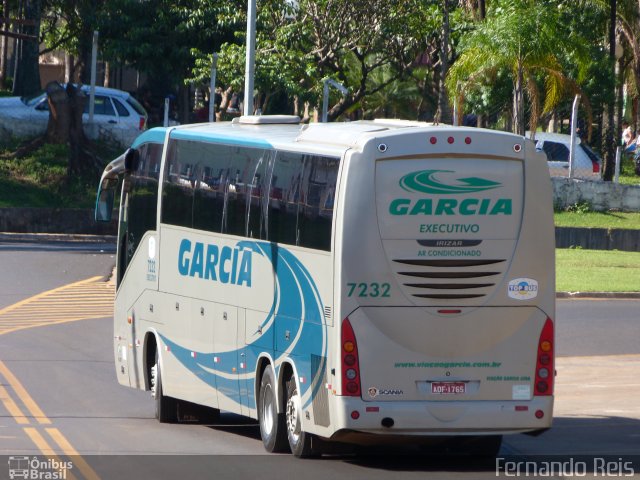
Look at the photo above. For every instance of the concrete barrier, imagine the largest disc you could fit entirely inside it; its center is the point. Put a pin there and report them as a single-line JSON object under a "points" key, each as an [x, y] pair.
{"points": [[602, 196], [598, 239], [54, 220]]}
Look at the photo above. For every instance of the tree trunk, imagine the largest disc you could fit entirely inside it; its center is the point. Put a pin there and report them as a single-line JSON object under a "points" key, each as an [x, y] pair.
{"points": [[59, 114], [65, 122], [518, 104], [27, 75], [443, 115], [68, 67], [4, 45], [107, 74], [184, 95], [482, 9], [77, 99], [224, 103], [609, 137]]}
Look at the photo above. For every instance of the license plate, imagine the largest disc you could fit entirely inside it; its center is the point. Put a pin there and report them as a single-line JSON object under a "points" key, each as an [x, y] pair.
{"points": [[448, 388]]}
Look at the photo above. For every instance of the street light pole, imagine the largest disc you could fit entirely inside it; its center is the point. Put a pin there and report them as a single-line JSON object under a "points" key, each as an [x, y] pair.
{"points": [[212, 88], [325, 95], [94, 60], [249, 69]]}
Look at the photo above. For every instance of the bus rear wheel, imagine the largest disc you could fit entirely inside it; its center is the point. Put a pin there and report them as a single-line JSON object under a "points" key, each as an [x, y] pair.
{"points": [[166, 407], [300, 442], [272, 425]]}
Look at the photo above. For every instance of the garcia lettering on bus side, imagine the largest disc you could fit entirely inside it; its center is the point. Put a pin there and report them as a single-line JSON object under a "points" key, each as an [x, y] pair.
{"points": [[211, 262]]}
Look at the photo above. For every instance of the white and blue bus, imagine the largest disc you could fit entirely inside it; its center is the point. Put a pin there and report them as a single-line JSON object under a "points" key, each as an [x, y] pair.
{"points": [[358, 283]]}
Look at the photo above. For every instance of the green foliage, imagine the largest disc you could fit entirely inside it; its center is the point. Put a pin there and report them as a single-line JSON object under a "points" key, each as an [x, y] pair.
{"points": [[526, 41], [580, 207], [366, 46], [40, 180]]}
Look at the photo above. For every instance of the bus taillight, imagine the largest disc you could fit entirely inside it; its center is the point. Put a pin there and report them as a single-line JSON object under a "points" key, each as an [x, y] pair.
{"points": [[142, 123], [544, 362], [350, 362]]}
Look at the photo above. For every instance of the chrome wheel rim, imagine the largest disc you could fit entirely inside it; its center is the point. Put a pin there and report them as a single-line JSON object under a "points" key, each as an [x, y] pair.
{"points": [[293, 416]]}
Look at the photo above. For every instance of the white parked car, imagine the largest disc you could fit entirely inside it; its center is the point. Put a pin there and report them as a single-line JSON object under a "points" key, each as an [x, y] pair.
{"points": [[117, 115], [556, 146]]}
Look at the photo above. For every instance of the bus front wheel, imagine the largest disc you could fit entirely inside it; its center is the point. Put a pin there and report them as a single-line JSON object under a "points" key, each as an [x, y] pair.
{"points": [[272, 425], [300, 441]]}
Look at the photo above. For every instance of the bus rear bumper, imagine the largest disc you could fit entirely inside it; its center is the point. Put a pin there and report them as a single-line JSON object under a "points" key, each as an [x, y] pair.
{"points": [[443, 418]]}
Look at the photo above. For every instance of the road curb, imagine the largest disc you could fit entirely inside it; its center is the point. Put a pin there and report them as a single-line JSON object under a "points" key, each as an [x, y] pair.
{"points": [[56, 238], [620, 295]]}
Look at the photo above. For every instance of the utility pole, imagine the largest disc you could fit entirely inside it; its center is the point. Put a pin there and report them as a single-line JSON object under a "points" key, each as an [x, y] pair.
{"points": [[249, 68]]}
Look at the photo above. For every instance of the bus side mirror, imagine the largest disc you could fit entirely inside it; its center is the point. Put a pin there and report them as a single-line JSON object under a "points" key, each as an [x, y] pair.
{"points": [[104, 202], [131, 160]]}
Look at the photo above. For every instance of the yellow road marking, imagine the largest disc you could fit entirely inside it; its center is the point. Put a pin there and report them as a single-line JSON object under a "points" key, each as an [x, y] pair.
{"points": [[67, 449], [83, 300], [44, 447], [87, 299], [40, 442], [31, 405], [12, 407], [44, 294]]}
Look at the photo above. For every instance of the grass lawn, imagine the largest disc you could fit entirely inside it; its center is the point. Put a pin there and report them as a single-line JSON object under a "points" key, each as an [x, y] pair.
{"points": [[580, 270], [40, 179]]}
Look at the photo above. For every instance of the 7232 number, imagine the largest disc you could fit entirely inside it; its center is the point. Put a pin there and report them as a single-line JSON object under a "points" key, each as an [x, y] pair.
{"points": [[368, 289]]}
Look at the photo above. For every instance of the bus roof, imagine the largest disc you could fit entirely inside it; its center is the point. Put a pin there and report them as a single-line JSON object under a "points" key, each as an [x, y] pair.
{"points": [[283, 133]]}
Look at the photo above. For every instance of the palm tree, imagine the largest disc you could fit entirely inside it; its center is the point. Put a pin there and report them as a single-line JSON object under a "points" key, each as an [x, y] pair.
{"points": [[523, 38]]}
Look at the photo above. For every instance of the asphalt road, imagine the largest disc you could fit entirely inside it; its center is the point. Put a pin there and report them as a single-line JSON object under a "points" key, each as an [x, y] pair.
{"points": [[67, 371]]}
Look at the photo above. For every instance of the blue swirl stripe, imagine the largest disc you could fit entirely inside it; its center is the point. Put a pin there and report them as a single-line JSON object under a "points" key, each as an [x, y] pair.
{"points": [[297, 304]]}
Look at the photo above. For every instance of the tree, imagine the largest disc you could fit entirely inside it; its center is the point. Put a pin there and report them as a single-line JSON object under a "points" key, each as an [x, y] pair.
{"points": [[523, 39], [27, 75], [160, 43], [364, 46], [625, 15], [349, 41], [443, 113]]}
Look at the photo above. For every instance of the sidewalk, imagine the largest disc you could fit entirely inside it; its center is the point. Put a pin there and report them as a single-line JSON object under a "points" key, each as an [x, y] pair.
{"points": [[596, 409], [55, 237]]}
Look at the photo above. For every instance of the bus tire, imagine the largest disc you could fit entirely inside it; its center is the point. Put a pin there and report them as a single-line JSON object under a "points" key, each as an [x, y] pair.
{"points": [[300, 442], [166, 407], [272, 423]]}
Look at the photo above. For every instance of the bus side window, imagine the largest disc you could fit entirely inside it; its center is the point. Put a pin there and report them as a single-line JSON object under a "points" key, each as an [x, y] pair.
{"points": [[257, 196], [177, 188], [318, 193], [244, 179], [284, 197], [208, 201]]}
